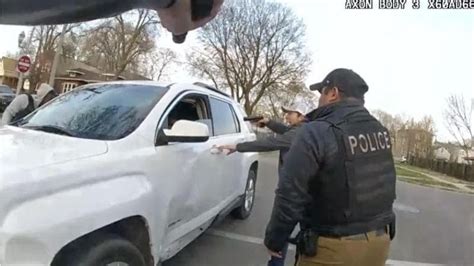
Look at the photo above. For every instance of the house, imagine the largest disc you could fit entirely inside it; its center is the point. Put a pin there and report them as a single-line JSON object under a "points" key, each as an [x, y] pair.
{"points": [[73, 73], [70, 74], [75, 77], [8, 73], [442, 153], [452, 152], [465, 157]]}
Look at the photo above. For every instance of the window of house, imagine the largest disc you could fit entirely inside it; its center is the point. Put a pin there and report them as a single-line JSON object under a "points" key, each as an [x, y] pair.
{"points": [[68, 86]]}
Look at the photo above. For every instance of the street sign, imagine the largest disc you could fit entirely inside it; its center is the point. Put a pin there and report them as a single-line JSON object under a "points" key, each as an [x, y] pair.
{"points": [[24, 64]]}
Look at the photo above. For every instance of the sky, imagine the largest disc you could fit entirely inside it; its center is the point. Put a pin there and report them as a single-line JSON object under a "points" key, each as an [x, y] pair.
{"points": [[412, 60]]}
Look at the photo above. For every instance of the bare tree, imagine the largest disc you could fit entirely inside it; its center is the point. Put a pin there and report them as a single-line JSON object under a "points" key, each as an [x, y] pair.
{"points": [[459, 121], [157, 64], [276, 98], [409, 137], [44, 44], [252, 48], [117, 43]]}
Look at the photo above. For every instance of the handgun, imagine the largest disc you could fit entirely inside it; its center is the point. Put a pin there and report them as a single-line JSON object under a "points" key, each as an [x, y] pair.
{"points": [[253, 118], [199, 9]]}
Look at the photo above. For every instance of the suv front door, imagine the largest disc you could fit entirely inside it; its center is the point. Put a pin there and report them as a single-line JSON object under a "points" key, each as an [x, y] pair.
{"points": [[189, 170], [227, 131]]}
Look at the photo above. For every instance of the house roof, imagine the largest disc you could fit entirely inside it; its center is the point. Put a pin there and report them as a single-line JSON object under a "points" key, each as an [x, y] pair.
{"points": [[89, 76], [90, 72], [81, 74], [65, 66]]}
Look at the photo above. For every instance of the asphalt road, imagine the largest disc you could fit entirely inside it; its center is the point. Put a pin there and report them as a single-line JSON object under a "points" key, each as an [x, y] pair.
{"points": [[433, 227]]}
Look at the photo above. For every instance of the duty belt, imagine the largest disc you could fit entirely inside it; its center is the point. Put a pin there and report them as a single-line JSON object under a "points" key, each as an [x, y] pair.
{"points": [[378, 232]]}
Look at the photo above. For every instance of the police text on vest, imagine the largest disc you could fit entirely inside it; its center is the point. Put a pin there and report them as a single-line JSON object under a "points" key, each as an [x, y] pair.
{"points": [[369, 142]]}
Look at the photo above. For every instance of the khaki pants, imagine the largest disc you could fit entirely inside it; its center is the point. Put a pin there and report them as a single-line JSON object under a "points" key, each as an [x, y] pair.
{"points": [[368, 250]]}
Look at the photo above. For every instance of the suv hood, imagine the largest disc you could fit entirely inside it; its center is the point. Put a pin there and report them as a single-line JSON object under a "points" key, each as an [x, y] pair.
{"points": [[25, 149]]}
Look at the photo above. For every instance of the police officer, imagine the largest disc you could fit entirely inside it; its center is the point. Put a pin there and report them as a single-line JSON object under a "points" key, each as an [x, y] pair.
{"points": [[338, 181], [295, 117]]}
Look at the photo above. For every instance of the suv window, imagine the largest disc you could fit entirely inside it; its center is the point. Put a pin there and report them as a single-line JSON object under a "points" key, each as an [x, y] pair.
{"points": [[223, 118], [192, 108], [102, 112]]}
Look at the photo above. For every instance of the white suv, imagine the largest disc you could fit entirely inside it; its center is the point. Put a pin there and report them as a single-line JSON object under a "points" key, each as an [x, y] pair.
{"points": [[121, 172]]}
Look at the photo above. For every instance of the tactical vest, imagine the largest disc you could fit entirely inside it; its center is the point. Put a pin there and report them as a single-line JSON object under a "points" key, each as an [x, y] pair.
{"points": [[29, 109], [354, 193]]}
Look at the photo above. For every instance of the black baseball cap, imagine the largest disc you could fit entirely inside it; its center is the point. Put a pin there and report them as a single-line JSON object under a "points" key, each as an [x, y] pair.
{"points": [[345, 79]]}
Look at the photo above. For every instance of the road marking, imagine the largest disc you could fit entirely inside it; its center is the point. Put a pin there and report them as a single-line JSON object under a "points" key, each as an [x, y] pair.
{"points": [[259, 241], [405, 208], [243, 238], [409, 263]]}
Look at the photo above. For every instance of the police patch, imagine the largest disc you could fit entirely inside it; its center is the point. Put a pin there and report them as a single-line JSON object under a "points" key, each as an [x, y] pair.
{"points": [[369, 142]]}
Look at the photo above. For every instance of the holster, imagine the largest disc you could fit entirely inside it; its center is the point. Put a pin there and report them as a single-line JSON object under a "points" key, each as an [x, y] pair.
{"points": [[306, 243], [391, 230]]}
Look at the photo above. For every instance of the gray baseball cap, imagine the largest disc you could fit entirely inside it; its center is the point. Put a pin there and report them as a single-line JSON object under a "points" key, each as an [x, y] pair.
{"points": [[299, 107]]}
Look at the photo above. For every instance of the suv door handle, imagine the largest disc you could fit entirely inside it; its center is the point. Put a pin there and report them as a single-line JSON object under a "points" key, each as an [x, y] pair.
{"points": [[215, 150]]}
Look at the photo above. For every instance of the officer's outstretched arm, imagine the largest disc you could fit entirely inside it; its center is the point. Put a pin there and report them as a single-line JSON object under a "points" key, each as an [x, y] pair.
{"points": [[271, 143], [277, 127], [300, 166]]}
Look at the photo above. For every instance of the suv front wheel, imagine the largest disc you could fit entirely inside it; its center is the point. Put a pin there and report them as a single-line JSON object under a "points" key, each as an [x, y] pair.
{"points": [[101, 250], [245, 208]]}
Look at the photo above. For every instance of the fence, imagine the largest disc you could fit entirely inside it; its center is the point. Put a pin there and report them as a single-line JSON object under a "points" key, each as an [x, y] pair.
{"points": [[460, 171]]}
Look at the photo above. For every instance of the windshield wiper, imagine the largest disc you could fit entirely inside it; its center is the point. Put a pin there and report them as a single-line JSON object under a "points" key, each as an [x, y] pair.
{"points": [[52, 129]]}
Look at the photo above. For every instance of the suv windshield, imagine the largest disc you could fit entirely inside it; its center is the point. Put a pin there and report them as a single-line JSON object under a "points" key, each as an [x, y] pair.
{"points": [[5, 89], [103, 112]]}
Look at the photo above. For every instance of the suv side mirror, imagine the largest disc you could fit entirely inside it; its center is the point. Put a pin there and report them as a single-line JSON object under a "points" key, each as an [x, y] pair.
{"points": [[184, 131]]}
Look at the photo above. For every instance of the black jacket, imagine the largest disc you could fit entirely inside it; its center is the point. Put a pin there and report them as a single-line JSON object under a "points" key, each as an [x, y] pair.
{"points": [[36, 12], [314, 144]]}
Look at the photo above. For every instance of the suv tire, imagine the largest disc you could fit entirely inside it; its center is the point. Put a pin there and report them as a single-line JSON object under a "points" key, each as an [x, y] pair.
{"points": [[245, 209], [101, 250]]}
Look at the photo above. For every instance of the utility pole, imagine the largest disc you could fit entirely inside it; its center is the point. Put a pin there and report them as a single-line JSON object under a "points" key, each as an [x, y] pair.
{"points": [[57, 55]]}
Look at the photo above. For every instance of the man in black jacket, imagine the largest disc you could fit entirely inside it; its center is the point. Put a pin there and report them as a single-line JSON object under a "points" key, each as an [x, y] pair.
{"points": [[295, 116], [338, 181]]}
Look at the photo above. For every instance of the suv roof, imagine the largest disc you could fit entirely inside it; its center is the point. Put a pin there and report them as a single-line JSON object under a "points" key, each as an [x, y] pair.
{"points": [[206, 86], [156, 83]]}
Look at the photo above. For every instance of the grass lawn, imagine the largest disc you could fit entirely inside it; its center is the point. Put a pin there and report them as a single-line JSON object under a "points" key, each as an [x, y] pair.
{"points": [[441, 175], [427, 182], [420, 179], [409, 173]]}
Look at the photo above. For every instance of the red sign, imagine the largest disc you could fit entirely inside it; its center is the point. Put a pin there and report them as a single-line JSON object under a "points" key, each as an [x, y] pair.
{"points": [[24, 64]]}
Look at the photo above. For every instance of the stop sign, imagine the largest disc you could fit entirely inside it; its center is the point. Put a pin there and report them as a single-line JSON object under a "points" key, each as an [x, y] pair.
{"points": [[24, 64]]}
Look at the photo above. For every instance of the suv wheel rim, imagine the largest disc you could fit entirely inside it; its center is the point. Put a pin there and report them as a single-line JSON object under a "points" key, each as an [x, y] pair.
{"points": [[249, 195]]}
